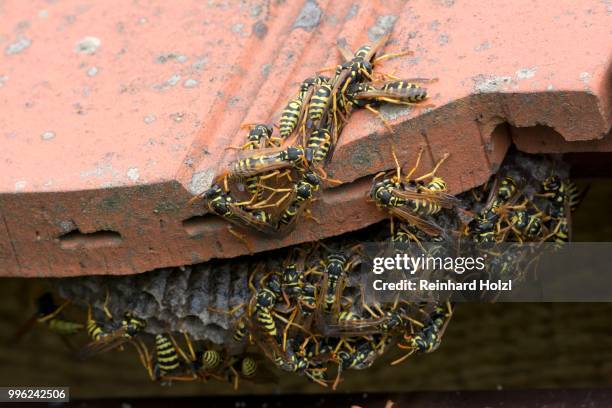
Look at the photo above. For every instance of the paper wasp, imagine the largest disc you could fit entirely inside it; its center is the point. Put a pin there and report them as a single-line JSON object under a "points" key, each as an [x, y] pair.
{"points": [[223, 205], [293, 114], [105, 340], [408, 199], [50, 314], [427, 338], [398, 92]]}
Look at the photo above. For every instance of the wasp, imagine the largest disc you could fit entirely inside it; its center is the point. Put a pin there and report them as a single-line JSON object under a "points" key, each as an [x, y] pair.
{"points": [[259, 137], [268, 160], [561, 232], [526, 223], [50, 314], [292, 281], [558, 194], [290, 117], [303, 193], [248, 367], [359, 65], [104, 341], [398, 92], [301, 364], [427, 338], [167, 356], [486, 226], [318, 102], [407, 202], [334, 271], [352, 70], [319, 146], [423, 206], [483, 226], [293, 112], [385, 322], [264, 302], [574, 195], [222, 204], [240, 332], [361, 358], [307, 299]]}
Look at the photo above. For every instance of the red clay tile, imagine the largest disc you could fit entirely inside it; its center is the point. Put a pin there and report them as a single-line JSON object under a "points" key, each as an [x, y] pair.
{"points": [[115, 113]]}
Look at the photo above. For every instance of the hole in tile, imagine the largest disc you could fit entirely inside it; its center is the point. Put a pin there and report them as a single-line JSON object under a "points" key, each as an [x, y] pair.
{"points": [[76, 239], [202, 224]]}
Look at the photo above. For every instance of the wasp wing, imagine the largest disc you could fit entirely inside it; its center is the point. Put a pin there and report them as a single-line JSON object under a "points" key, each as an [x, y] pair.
{"points": [[244, 218], [443, 199], [427, 226], [106, 343], [345, 52]]}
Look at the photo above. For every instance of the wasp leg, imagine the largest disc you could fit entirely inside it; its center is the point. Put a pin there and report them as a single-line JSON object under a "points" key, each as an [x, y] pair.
{"points": [[235, 381], [315, 379], [365, 305], [399, 360], [380, 116], [54, 313], [384, 75], [325, 176], [189, 346], [248, 145], [391, 55], [242, 238], [308, 215], [145, 357], [435, 169], [337, 380], [290, 323], [228, 312], [184, 377], [264, 203], [107, 312], [416, 165], [179, 349], [398, 169], [423, 80], [286, 329]]}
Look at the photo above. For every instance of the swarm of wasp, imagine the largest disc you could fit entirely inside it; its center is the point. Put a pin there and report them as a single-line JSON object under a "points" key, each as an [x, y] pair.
{"points": [[284, 174], [306, 312]]}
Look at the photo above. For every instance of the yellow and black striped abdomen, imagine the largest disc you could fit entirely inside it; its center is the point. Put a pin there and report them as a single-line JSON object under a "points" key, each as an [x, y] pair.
{"points": [[240, 332], [320, 143], [289, 214], [437, 184], [64, 327], [574, 196], [248, 366], [290, 117], [425, 206], [319, 101], [252, 186], [507, 188], [211, 359], [94, 331], [167, 358], [266, 321], [411, 92], [363, 51]]}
